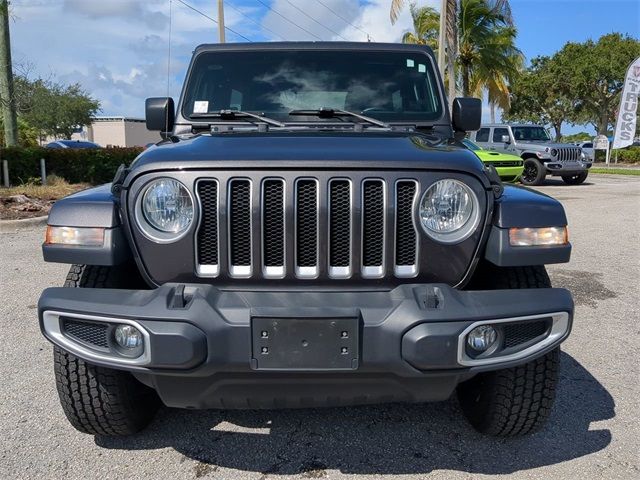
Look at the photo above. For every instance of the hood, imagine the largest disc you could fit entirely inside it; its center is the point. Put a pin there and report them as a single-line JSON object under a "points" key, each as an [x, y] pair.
{"points": [[543, 145], [335, 150]]}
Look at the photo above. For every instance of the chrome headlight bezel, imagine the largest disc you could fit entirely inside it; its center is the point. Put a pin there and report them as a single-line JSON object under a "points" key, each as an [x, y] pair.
{"points": [[152, 232], [465, 230]]}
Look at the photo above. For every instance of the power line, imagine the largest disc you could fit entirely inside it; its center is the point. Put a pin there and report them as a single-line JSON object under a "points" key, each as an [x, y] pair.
{"points": [[344, 19], [252, 20], [309, 16], [291, 22], [212, 19]]}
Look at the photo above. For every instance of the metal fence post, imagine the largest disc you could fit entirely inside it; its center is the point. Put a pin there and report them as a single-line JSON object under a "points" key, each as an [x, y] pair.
{"points": [[43, 171], [5, 173]]}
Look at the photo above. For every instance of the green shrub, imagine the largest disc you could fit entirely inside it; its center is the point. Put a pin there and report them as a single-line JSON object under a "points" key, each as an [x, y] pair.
{"points": [[93, 166], [627, 155]]}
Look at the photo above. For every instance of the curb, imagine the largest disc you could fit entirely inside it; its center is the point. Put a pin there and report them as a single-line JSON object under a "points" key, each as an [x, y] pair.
{"points": [[23, 224]]}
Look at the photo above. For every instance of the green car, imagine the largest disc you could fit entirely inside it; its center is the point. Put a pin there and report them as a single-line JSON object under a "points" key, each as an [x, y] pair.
{"points": [[509, 167]]}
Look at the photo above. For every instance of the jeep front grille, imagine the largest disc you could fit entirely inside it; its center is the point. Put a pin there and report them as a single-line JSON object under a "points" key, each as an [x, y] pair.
{"points": [[567, 154], [341, 228]]}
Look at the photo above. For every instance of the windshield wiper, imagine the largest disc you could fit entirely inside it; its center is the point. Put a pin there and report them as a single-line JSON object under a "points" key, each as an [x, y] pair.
{"points": [[325, 112], [238, 114]]}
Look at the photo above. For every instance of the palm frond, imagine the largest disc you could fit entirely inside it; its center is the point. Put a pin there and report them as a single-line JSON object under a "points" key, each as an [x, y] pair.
{"points": [[396, 8]]}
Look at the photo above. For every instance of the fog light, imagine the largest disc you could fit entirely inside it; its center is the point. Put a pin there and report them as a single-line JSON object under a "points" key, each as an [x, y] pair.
{"points": [[129, 337], [482, 337]]}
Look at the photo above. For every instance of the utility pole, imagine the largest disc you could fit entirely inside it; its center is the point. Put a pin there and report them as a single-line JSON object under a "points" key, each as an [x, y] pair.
{"points": [[221, 38], [442, 36], [7, 100]]}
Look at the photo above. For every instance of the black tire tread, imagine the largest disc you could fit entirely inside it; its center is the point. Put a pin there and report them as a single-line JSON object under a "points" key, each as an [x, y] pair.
{"points": [[541, 172], [99, 400], [575, 180], [512, 401]]}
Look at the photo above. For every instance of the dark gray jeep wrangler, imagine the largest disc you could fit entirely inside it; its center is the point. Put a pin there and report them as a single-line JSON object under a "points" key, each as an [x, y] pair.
{"points": [[308, 233]]}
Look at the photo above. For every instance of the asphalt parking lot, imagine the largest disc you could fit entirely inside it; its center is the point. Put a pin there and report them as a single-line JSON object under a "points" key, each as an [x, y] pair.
{"points": [[594, 431]]}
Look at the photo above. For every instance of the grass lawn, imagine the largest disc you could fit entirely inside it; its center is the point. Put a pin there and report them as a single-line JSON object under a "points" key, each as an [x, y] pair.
{"points": [[616, 171]]}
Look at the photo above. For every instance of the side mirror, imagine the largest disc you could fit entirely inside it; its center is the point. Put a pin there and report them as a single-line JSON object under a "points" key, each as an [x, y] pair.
{"points": [[506, 139], [159, 114], [467, 114]]}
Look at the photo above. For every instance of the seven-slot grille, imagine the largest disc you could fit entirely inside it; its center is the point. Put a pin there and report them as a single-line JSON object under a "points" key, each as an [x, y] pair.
{"points": [[340, 228], [568, 154]]}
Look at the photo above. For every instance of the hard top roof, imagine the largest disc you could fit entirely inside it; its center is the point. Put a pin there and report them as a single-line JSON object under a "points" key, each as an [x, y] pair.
{"points": [[407, 47]]}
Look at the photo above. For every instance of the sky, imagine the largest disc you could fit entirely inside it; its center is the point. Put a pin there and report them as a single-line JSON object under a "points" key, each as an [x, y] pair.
{"points": [[123, 51]]}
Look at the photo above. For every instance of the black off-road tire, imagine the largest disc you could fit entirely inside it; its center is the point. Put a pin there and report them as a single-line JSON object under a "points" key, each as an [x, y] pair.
{"points": [[513, 401], [575, 179], [99, 400], [533, 173]]}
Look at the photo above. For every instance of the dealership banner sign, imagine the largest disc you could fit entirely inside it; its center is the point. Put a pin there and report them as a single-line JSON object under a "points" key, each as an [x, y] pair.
{"points": [[627, 115]]}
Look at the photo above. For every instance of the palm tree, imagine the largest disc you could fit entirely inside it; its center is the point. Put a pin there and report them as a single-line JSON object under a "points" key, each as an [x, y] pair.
{"points": [[394, 11], [479, 37], [426, 24], [487, 56]]}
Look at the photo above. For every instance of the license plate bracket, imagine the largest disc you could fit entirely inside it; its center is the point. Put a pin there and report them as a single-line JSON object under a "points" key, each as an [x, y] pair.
{"points": [[305, 343]]}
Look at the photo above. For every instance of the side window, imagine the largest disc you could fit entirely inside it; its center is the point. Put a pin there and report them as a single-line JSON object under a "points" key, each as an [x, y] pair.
{"points": [[588, 145], [482, 135], [498, 133]]}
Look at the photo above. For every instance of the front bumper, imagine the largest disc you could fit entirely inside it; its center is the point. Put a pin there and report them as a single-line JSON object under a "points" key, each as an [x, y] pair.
{"points": [[510, 174], [203, 346], [566, 168]]}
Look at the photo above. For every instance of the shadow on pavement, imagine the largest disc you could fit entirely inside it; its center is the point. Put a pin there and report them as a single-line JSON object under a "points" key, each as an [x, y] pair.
{"points": [[387, 439]]}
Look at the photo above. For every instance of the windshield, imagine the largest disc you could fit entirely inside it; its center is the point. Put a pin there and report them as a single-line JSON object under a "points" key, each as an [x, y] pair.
{"points": [[389, 86], [532, 134], [470, 145]]}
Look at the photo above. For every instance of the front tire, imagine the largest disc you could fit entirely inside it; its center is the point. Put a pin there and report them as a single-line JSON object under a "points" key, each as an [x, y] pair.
{"points": [[575, 179], [512, 401], [99, 400], [533, 173]]}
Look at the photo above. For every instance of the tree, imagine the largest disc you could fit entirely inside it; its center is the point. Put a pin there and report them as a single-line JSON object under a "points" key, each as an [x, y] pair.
{"points": [[479, 38], [54, 109], [538, 96], [426, 24], [487, 54], [27, 135], [594, 72]]}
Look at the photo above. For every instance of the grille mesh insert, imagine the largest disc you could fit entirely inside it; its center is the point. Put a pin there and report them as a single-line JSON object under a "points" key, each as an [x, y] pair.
{"points": [[405, 232], [307, 223], [273, 223], [340, 223], [518, 333], [208, 233], [373, 223], [92, 333], [240, 222]]}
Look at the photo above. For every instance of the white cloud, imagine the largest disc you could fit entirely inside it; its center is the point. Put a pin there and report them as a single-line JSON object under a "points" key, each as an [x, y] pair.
{"points": [[118, 49]]}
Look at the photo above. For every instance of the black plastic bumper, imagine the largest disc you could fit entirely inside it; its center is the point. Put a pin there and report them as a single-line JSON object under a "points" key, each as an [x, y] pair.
{"points": [[204, 346]]}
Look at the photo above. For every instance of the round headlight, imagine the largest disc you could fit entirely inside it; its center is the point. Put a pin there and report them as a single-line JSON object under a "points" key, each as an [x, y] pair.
{"points": [[167, 207], [449, 211], [554, 152]]}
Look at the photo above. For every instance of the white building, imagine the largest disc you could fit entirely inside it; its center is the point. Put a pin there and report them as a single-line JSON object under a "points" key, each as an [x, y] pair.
{"points": [[117, 132]]}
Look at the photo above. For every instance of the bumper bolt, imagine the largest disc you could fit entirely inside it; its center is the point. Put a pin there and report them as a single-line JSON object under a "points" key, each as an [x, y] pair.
{"points": [[344, 334], [264, 334], [265, 350], [344, 350]]}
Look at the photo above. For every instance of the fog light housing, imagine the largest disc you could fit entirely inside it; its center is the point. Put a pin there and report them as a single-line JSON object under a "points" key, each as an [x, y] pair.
{"points": [[482, 338], [129, 340]]}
